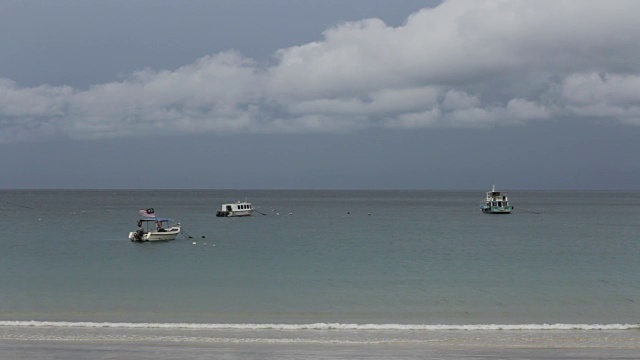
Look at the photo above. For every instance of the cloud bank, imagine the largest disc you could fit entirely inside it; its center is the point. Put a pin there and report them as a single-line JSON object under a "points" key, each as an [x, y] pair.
{"points": [[464, 63]]}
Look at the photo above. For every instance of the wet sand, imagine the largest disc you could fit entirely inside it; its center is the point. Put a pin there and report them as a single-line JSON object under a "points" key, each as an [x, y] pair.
{"points": [[76, 343], [165, 350]]}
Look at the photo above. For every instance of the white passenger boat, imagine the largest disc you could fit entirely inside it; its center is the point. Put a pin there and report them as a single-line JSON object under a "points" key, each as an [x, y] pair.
{"points": [[155, 229], [240, 208], [496, 202]]}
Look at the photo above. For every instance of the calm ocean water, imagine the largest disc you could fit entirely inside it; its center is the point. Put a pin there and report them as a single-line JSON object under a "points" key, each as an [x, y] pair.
{"points": [[323, 266]]}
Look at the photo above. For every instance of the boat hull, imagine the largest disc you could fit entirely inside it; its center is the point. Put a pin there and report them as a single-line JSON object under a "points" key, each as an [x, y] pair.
{"points": [[167, 235], [233, 213], [496, 209]]}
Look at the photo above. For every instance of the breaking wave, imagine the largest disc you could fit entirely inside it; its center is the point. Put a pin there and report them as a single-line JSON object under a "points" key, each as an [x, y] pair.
{"points": [[320, 326]]}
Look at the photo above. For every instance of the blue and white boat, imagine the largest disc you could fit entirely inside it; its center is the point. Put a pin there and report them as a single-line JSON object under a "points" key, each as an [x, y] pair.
{"points": [[496, 202]]}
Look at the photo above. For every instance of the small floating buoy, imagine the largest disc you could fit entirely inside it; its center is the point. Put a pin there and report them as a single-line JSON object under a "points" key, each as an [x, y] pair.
{"points": [[203, 236], [194, 243]]}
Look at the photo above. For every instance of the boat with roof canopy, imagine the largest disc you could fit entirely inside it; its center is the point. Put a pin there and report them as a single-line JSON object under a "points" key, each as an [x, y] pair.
{"points": [[153, 228], [240, 208], [496, 202]]}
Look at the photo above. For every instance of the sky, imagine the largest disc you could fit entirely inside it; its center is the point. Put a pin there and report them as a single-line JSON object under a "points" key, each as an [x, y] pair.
{"points": [[320, 94]]}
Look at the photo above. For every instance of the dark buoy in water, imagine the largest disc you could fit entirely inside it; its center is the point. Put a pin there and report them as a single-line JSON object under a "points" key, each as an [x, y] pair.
{"points": [[203, 236]]}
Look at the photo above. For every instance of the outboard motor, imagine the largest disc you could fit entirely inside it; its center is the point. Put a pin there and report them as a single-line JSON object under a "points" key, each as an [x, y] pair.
{"points": [[138, 235]]}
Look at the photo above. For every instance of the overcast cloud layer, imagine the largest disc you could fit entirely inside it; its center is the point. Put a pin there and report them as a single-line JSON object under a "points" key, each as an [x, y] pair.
{"points": [[461, 64]]}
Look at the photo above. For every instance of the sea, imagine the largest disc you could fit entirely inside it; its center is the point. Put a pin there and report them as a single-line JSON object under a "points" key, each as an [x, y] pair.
{"points": [[320, 274]]}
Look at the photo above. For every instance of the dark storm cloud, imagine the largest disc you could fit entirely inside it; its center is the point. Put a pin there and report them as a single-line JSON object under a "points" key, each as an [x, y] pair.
{"points": [[464, 63]]}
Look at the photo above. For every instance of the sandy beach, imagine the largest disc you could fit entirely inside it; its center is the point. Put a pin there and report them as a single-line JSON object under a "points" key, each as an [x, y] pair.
{"points": [[77, 350], [37, 343]]}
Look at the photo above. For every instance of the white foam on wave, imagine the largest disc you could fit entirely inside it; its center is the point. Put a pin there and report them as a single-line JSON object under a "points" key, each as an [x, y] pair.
{"points": [[319, 326]]}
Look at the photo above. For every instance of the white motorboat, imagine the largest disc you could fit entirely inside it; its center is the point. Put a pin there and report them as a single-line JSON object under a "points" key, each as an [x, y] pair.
{"points": [[240, 208], [156, 229]]}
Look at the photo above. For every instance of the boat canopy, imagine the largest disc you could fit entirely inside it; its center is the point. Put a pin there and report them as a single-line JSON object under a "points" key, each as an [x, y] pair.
{"points": [[155, 219]]}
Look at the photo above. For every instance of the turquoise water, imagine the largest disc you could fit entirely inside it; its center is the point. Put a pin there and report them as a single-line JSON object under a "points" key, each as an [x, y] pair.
{"points": [[403, 261]]}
